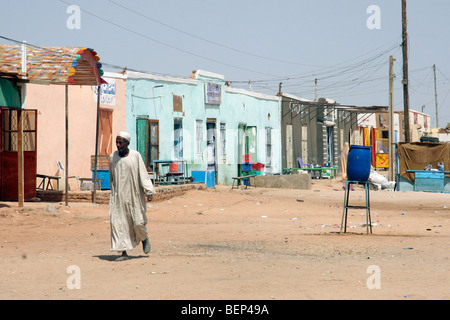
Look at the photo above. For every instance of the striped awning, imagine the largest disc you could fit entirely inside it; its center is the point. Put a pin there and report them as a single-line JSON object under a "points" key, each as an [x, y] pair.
{"points": [[54, 65]]}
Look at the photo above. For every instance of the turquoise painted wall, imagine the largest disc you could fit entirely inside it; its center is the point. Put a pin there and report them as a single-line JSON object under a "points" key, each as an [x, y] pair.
{"points": [[151, 96]]}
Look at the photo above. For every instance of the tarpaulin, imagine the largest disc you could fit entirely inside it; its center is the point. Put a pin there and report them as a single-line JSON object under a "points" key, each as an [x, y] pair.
{"points": [[417, 155]]}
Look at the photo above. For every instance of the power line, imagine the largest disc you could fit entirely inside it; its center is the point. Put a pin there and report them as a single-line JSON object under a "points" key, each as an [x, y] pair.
{"points": [[207, 40], [322, 72], [166, 44]]}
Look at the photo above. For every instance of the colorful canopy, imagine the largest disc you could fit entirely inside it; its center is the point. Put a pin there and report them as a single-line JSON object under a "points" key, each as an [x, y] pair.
{"points": [[54, 65]]}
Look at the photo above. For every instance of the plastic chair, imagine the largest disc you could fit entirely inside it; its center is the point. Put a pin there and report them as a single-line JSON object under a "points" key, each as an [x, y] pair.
{"points": [[302, 164]]}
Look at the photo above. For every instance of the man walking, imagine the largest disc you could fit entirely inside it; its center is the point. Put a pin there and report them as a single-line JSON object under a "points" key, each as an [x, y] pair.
{"points": [[130, 184]]}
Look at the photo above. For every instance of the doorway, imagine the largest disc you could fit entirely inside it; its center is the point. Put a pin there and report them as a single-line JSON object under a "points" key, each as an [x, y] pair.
{"points": [[247, 145], [148, 141], [305, 144], [178, 139], [329, 156], [289, 147], [211, 144]]}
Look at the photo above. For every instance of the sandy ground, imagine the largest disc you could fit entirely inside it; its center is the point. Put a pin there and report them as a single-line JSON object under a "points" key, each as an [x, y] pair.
{"points": [[222, 244]]}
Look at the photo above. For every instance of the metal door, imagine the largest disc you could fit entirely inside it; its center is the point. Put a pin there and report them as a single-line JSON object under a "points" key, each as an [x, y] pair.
{"points": [[9, 155]]}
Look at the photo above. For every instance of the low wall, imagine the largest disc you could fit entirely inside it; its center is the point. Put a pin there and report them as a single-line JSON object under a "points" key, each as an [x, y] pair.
{"points": [[286, 181], [102, 196]]}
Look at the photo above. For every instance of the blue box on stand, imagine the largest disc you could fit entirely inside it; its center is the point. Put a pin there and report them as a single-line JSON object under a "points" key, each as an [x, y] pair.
{"points": [[104, 175], [207, 177]]}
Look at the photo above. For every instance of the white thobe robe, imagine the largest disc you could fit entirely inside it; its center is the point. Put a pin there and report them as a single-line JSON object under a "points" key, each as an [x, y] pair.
{"points": [[130, 183]]}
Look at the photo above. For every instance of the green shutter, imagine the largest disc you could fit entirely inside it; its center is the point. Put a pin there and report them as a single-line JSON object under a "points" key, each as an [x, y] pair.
{"points": [[9, 94], [141, 138]]}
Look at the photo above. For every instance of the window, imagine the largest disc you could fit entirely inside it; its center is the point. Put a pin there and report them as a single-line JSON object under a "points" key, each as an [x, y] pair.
{"points": [[268, 147], [223, 139], [199, 137], [177, 103], [10, 129]]}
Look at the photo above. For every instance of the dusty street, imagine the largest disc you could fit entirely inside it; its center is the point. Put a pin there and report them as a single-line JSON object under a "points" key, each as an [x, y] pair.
{"points": [[257, 244]]}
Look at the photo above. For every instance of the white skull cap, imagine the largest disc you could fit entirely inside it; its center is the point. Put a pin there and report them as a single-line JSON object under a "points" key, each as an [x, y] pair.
{"points": [[124, 135]]}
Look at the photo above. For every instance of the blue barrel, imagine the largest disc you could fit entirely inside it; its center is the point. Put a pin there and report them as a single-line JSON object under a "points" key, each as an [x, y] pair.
{"points": [[358, 163]]}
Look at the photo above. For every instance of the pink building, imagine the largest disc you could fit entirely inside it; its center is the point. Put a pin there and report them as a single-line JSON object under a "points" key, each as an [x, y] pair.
{"points": [[40, 143], [49, 101]]}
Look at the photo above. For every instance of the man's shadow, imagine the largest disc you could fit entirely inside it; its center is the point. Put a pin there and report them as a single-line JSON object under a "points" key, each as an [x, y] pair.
{"points": [[112, 257]]}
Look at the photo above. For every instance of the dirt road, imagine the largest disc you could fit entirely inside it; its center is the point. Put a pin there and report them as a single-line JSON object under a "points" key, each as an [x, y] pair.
{"points": [[262, 244]]}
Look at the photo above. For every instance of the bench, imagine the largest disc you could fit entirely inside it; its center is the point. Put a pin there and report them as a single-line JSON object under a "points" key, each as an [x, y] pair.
{"points": [[88, 184], [49, 179], [238, 179]]}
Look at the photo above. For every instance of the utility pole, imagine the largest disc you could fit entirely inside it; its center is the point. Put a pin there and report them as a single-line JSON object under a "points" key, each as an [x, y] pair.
{"points": [[391, 119], [20, 115], [66, 171], [315, 85], [405, 73], [435, 96]]}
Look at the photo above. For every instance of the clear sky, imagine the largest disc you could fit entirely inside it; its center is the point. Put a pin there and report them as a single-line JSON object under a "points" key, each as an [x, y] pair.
{"points": [[343, 44]]}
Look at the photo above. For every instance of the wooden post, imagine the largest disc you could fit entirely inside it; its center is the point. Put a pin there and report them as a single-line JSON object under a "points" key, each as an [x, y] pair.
{"points": [[96, 145], [20, 166], [391, 119], [435, 97], [66, 171], [315, 90], [405, 73]]}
